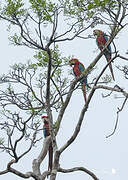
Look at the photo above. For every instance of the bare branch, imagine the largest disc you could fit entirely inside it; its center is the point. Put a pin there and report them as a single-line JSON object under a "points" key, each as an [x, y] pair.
{"points": [[79, 169], [117, 119], [112, 89]]}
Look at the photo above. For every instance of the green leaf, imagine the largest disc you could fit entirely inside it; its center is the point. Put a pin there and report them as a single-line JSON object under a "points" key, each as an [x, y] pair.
{"points": [[43, 9], [91, 6], [14, 8], [15, 39], [97, 2]]}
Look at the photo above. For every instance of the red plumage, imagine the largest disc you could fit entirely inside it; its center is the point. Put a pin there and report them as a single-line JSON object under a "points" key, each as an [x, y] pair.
{"points": [[101, 40], [78, 69]]}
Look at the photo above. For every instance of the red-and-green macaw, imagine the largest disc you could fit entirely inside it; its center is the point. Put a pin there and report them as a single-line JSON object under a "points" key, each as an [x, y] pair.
{"points": [[78, 69], [46, 133], [101, 39]]}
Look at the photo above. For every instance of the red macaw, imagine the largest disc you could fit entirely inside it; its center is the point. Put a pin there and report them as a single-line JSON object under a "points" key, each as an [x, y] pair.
{"points": [[46, 133], [101, 39], [78, 69]]}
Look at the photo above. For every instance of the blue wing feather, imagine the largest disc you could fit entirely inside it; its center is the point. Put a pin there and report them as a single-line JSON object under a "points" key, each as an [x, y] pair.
{"points": [[82, 69], [106, 38], [44, 132]]}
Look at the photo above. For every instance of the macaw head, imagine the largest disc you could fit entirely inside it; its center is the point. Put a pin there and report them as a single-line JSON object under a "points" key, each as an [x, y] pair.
{"points": [[97, 32], [45, 119], [73, 61]]}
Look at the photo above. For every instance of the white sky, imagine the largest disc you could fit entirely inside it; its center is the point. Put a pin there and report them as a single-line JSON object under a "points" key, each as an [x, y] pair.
{"points": [[107, 158]]}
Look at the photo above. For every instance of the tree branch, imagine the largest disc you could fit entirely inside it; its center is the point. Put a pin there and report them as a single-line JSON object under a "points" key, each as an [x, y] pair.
{"points": [[36, 162], [117, 119], [79, 169]]}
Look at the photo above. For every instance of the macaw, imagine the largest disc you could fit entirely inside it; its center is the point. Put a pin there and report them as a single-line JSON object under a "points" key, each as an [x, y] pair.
{"points": [[46, 133], [101, 40], [78, 69]]}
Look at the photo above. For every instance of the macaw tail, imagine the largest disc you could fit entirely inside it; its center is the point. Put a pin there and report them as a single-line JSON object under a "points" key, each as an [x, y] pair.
{"points": [[50, 157], [108, 58], [110, 67], [83, 86]]}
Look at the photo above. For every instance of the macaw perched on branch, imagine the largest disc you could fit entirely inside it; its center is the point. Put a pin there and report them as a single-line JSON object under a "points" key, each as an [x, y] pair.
{"points": [[78, 69], [47, 133], [101, 40]]}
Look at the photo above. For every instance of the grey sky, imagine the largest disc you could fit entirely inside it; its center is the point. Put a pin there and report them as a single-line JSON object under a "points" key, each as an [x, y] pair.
{"points": [[107, 158]]}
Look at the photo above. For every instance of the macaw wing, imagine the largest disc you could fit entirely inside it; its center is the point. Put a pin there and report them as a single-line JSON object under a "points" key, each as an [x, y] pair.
{"points": [[106, 39], [44, 132], [81, 67]]}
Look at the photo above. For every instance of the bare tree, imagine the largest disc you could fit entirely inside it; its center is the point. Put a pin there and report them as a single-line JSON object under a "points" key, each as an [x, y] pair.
{"points": [[30, 89]]}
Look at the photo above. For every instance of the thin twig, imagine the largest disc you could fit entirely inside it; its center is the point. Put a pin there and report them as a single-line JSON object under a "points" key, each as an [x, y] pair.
{"points": [[117, 119]]}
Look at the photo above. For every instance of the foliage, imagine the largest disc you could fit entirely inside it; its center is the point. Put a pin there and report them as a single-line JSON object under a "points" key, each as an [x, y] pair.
{"points": [[43, 9], [14, 8]]}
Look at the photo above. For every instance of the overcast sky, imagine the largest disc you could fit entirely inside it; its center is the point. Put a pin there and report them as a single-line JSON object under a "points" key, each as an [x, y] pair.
{"points": [[107, 158]]}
